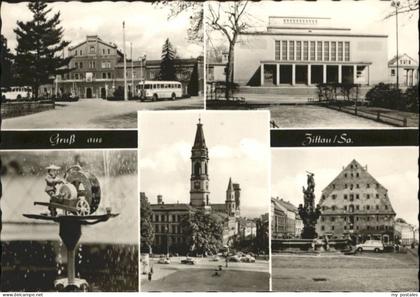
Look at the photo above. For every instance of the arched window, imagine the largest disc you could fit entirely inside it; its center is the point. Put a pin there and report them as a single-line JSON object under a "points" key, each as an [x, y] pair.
{"points": [[197, 168], [205, 168]]}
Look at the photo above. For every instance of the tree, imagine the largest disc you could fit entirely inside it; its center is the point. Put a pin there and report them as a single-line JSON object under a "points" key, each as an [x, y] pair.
{"points": [[40, 47], [6, 63], [196, 11], [406, 6], [167, 63], [228, 18], [261, 239], [147, 235], [204, 232]]}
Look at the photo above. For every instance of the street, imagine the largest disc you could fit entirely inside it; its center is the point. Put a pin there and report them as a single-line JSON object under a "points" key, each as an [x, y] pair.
{"points": [[366, 272], [96, 114], [202, 276]]}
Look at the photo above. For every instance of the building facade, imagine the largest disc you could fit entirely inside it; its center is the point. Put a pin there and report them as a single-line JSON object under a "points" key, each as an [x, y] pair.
{"points": [[405, 233], [286, 222], [167, 219], [97, 70], [355, 204], [408, 71], [305, 51]]}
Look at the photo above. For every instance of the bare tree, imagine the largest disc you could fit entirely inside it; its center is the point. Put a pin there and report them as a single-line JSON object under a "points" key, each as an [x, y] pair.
{"points": [[196, 11], [406, 6], [228, 18]]}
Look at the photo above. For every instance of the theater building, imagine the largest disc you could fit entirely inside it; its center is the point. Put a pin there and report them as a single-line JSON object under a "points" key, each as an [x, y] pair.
{"points": [[355, 204], [167, 218], [97, 69], [305, 51]]}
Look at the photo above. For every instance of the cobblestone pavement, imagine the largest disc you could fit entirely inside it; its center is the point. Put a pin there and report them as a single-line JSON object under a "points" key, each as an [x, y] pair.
{"points": [[368, 272], [96, 113]]}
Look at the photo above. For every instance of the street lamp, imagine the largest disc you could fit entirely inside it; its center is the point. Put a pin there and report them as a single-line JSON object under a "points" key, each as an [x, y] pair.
{"points": [[396, 4]]}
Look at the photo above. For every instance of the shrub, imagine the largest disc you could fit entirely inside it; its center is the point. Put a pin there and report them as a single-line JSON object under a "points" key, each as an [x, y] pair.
{"points": [[411, 98], [385, 95]]}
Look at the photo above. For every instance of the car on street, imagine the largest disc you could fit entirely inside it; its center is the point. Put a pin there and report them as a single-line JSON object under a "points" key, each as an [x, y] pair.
{"points": [[235, 258], [164, 261], [248, 259], [188, 260], [215, 258], [371, 245]]}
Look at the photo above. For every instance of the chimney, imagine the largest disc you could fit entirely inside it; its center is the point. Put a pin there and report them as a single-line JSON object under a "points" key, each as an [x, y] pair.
{"points": [[159, 199]]}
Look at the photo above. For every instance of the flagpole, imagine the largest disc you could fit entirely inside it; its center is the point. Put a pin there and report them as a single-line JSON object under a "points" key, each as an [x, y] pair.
{"points": [[125, 65]]}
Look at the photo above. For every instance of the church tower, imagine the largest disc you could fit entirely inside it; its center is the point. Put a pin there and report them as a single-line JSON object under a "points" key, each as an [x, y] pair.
{"points": [[230, 199], [199, 193]]}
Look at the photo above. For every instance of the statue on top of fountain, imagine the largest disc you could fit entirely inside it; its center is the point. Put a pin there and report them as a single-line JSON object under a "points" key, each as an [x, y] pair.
{"points": [[308, 212]]}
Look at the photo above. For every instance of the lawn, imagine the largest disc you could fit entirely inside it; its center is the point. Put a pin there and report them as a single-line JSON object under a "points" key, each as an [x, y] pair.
{"points": [[199, 280], [363, 273]]}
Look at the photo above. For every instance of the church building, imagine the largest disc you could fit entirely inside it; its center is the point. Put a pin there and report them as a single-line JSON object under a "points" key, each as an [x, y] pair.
{"points": [[167, 218]]}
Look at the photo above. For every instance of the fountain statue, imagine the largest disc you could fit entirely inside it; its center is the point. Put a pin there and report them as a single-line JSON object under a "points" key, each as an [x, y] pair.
{"points": [[308, 212], [76, 196]]}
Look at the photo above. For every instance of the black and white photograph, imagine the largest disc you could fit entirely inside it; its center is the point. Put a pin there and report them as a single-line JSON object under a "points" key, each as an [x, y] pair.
{"points": [[204, 186], [74, 65], [317, 64], [345, 219], [69, 221]]}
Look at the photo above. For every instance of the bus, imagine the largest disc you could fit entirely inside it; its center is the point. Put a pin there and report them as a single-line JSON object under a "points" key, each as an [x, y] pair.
{"points": [[156, 90], [16, 93]]}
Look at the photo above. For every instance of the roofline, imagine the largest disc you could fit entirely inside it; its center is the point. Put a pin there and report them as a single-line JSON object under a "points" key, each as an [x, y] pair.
{"points": [[298, 17], [310, 28], [313, 34]]}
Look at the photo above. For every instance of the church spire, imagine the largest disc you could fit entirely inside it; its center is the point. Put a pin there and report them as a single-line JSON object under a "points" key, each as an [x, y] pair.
{"points": [[199, 142]]}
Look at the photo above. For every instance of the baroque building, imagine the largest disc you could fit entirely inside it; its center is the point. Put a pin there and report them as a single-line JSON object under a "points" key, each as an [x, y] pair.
{"points": [[355, 204], [167, 218]]}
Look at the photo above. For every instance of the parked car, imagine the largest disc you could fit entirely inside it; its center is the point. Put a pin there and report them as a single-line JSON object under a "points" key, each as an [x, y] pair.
{"points": [[188, 260], [235, 258], [215, 258], [164, 261], [248, 259], [371, 245]]}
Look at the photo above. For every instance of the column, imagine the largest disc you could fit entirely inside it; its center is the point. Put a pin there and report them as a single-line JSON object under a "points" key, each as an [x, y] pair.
{"points": [[368, 75], [354, 73], [309, 74], [262, 75], [324, 73], [339, 74], [293, 74], [277, 74]]}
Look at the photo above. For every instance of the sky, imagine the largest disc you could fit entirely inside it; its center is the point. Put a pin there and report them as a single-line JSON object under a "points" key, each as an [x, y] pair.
{"points": [[393, 167], [360, 16], [238, 144], [147, 25]]}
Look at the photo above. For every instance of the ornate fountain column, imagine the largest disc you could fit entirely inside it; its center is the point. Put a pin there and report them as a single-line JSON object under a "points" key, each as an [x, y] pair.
{"points": [[308, 212]]}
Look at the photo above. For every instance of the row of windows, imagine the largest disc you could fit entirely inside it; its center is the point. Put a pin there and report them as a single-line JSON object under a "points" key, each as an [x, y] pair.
{"points": [[363, 218], [382, 227], [352, 196], [81, 76], [351, 208], [351, 186], [175, 229], [165, 218], [162, 239], [296, 50]]}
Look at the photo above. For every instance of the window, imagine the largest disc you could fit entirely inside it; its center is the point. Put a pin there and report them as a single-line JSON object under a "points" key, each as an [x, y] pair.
{"points": [[347, 51], [345, 186], [305, 50], [312, 50], [357, 174], [284, 49], [357, 207], [334, 54], [326, 51], [345, 207], [345, 196], [352, 175], [197, 169], [377, 195], [386, 207], [322, 219], [103, 51], [104, 75], [80, 65], [377, 207], [75, 52], [319, 50], [277, 50], [334, 196], [298, 50], [345, 174], [92, 49], [333, 207], [291, 50], [345, 227], [109, 74], [332, 228], [368, 186], [357, 196], [367, 207], [332, 219], [351, 197], [333, 186], [322, 228], [367, 196], [340, 51], [357, 186], [81, 52], [109, 51]]}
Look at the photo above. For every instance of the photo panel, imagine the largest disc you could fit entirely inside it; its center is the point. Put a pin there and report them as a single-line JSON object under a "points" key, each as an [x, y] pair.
{"points": [[69, 221], [342, 64], [106, 65], [344, 219], [204, 187]]}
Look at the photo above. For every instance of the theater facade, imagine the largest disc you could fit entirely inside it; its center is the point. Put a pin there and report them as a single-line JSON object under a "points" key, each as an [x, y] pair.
{"points": [[305, 51]]}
